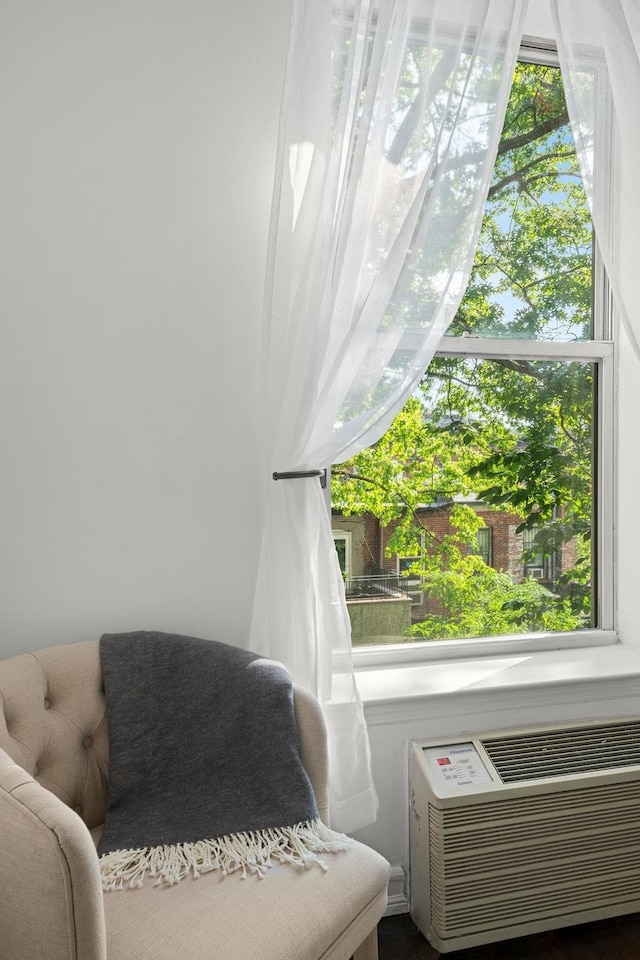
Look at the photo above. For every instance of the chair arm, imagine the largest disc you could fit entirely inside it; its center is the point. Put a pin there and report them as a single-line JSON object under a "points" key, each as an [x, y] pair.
{"points": [[51, 904], [312, 734]]}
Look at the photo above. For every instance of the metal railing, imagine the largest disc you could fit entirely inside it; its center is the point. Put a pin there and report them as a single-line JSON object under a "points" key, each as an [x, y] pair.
{"points": [[376, 587]]}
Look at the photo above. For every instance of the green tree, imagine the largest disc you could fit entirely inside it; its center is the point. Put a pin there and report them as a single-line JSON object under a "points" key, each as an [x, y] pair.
{"points": [[516, 433]]}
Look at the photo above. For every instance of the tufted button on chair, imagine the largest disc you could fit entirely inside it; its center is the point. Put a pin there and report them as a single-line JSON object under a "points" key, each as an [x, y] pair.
{"points": [[54, 776]]}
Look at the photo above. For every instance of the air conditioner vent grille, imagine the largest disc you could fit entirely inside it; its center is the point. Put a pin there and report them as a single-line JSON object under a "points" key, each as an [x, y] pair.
{"points": [[553, 753], [560, 854]]}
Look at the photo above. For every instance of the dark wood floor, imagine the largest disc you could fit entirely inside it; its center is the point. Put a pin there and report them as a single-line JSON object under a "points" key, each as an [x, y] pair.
{"points": [[616, 939]]}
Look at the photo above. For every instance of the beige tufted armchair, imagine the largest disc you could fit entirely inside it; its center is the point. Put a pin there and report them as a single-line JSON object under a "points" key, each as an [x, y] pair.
{"points": [[54, 775]]}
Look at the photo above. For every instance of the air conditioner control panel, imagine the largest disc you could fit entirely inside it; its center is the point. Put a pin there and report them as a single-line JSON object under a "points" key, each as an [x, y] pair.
{"points": [[456, 764]]}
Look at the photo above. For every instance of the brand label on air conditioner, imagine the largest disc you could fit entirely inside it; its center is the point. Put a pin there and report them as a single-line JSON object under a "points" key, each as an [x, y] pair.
{"points": [[457, 764]]}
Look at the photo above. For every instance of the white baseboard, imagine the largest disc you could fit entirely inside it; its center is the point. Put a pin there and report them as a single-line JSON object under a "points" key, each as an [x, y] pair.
{"points": [[397, 902]]}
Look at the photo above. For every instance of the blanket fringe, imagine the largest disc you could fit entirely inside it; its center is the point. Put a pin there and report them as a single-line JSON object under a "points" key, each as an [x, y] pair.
{"points": [[252, 852]]}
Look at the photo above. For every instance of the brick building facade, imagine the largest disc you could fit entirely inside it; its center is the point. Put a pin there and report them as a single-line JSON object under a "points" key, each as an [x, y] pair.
{"points": [[362, 546]]}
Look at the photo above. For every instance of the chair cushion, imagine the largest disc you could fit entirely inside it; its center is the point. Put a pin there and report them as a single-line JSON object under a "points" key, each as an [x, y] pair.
{"points": [[231, 918]]}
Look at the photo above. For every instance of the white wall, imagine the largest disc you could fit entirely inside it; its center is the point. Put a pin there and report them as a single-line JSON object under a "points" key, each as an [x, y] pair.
{"points": [[138, 141]]}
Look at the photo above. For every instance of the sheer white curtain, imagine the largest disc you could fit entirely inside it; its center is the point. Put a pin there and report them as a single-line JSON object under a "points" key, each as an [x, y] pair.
{"points": [[389, 129], [599, 48]]}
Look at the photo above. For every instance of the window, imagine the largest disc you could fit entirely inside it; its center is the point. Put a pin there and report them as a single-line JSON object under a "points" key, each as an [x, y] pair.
{"points": [[483, 545], [512, 422], [534, 559], [409, 571], [342, 543]]}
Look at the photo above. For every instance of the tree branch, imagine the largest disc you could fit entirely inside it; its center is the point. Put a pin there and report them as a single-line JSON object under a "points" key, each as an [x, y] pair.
{"points": [[548, 126], [411, 510], [518, 175]]}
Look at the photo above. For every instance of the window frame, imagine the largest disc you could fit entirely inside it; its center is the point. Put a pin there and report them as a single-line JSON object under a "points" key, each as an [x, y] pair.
{"points": [[602, 354], [345, 536], [601, 351], [415, 579], [487, 532]]}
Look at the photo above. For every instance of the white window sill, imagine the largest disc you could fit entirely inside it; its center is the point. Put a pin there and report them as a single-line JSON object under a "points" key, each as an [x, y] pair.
{"points": [[392, 685], [402, 654]]}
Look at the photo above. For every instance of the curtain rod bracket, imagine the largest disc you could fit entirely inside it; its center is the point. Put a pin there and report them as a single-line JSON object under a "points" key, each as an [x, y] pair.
{"points": [[300, 474]]}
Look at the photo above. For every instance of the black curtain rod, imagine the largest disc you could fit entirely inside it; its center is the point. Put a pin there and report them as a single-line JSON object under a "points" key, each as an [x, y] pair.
{"points": [[297, 474]]}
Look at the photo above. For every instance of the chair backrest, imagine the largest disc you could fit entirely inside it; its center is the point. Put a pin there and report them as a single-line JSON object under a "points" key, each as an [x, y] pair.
{"points": [[53, 723]]}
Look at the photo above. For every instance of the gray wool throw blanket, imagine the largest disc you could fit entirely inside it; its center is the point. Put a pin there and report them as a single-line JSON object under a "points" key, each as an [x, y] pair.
{"points": [[205, 770]]}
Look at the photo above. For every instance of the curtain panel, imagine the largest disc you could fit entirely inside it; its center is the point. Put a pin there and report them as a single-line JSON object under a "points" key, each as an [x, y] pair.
{"points": [[390, 122], [599, 49]]}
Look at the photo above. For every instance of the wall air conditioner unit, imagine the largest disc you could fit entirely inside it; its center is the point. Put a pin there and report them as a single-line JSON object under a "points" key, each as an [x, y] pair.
{"points": [[537, 573], [514, 832]]}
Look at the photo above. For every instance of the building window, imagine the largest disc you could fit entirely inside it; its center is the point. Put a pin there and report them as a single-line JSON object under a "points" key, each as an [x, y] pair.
{"points": [[484, 545], [342, 541], [534, 560], [514, 417], [409, 569], [411, 580]]}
